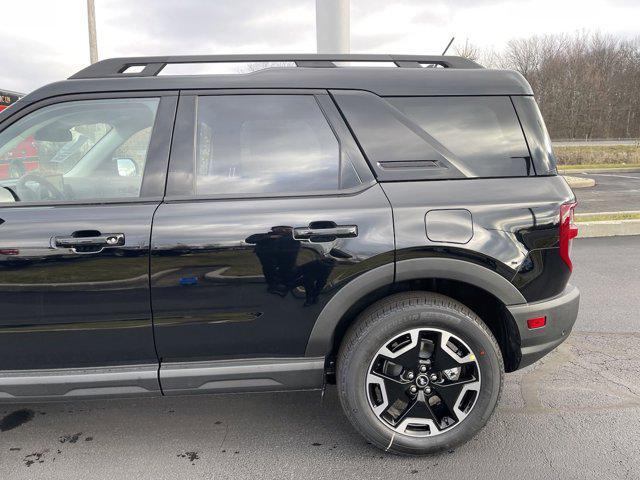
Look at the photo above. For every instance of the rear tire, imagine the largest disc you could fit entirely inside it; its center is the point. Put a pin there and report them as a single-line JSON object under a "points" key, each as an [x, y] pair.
{"points": [[442, 338]]}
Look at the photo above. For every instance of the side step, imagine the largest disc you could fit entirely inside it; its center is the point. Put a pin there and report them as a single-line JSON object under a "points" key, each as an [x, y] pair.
{"points": [[221, 376]]}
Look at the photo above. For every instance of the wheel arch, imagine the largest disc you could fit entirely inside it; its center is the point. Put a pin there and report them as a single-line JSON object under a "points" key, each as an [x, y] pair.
{"points": [[485, 292]]}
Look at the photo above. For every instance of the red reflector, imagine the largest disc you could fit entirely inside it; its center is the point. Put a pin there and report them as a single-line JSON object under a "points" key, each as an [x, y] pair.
{"points": [[537, 322], [568, 231]]}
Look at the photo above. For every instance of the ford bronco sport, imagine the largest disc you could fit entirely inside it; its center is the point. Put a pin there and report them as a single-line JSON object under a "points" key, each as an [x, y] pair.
{"points": [[401, 232]]}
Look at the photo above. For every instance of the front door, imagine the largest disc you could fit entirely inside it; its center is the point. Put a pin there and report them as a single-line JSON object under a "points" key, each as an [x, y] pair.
{"points": [[75, 230], [269, 212]]}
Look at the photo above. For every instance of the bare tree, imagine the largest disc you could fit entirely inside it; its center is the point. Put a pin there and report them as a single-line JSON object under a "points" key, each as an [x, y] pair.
{"points": [[586, 84], [249, 67], [468, 50]]}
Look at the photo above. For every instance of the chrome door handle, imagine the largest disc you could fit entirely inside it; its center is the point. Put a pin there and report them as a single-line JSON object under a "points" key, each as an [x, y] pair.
{"points": [[325, 233], [103, 240]]}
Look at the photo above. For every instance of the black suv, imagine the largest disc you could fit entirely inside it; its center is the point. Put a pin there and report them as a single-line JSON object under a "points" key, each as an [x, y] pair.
{"points": [[401, 232]]}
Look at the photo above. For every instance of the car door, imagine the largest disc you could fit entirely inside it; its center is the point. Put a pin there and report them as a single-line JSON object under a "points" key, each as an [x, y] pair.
{"points": [[270, 210], [74, 241]]}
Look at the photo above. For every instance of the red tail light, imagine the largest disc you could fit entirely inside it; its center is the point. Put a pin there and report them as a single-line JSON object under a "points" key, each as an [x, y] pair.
{"points": [[568, 231]]}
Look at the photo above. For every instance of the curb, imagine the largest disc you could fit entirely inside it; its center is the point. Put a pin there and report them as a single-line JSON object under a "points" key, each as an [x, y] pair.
{"points": [[580, 182], [608, 228]]}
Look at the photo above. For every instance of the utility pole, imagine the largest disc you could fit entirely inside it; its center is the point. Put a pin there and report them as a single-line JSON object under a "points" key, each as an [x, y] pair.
{"points": [[93, 41], [332, 26]]}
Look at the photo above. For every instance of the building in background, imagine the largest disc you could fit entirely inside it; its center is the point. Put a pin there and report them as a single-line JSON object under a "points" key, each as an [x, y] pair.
{"points": [[8, 98], [24, 156]]}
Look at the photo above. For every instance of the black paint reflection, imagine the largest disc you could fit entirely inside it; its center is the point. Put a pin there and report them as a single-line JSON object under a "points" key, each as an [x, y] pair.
{"points": [[278, 252]]}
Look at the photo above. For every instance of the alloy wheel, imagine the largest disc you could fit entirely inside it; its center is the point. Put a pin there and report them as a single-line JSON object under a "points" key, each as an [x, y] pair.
{"points": [[423, 382]]}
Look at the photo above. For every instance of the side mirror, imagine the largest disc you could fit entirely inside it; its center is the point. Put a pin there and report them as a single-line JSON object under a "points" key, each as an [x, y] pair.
{"points": [[6, 195], [127, 167]]}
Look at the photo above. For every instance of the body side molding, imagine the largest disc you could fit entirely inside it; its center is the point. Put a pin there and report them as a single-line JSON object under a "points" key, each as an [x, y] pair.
{"points": [[242, 375], [63, 384]]}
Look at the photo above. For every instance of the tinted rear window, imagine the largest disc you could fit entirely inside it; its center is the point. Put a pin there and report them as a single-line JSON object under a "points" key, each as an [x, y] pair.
{"points": [[483, 133]]}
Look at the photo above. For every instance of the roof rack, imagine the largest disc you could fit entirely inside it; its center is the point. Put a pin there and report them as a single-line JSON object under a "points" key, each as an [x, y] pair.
{"points": [[152, 66]]}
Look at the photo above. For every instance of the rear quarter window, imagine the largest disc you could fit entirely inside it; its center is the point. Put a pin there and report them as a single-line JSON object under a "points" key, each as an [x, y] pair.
{"points": [[482, 133]]}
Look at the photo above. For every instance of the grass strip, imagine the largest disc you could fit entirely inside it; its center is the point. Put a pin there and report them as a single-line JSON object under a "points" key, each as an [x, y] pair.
{"points": [[598, 165], [598, 217]]}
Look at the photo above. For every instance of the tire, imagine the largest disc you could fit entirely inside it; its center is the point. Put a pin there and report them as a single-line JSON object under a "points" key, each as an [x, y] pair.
{"points": [[425, 320]]}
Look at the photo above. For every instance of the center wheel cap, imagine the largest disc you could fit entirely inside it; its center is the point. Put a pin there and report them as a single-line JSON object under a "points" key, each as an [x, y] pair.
{"points": [[422, 381]]}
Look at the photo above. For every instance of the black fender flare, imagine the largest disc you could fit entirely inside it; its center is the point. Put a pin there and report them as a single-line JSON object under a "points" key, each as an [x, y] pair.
{"points": [[321, 338]]}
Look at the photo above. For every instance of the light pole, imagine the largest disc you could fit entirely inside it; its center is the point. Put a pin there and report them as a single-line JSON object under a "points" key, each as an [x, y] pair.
{"points": [[332, 26], [93, 41]]}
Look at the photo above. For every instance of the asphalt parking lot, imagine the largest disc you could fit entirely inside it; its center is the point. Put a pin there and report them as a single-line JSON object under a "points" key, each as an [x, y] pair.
{"points": [[576, 414], [614, 192]]}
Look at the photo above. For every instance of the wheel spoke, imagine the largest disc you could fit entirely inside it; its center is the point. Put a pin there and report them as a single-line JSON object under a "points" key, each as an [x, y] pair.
{"points": [[452, 395], [403, 345], [443, 361], [396, 398], [445, 357], [460, 382], [417, 410], [387, 378], [449, 396], [409, 359]]}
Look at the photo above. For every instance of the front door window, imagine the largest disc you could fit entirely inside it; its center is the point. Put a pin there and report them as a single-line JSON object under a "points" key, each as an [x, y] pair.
{"points": [[83, 150]]}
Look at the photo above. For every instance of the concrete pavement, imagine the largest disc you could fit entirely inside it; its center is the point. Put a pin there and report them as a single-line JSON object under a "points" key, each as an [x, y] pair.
{"points": [[614, 192]]}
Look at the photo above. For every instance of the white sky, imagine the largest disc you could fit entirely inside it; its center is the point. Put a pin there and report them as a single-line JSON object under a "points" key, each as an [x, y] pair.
{"points": [[46, 40]]}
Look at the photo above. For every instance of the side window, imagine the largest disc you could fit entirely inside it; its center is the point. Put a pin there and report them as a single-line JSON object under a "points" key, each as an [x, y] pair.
{"points": [[482, 132], [79, 150], [257, 144]]}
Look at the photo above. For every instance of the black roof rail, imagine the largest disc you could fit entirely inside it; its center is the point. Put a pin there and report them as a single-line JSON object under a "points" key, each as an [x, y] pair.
{"points": [[152, 66]]}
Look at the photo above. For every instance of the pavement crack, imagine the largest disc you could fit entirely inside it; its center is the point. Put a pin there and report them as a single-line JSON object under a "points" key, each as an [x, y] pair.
{"points": [[531, 381], [224, 438]]}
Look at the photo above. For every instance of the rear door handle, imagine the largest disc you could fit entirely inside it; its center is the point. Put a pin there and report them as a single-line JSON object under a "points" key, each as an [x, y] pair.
{"points": [[102, 240], [325, 231]]}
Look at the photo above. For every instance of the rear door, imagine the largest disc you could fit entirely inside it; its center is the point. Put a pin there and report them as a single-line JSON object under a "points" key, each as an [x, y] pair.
{"points": [[74, 237], [270, 210]]}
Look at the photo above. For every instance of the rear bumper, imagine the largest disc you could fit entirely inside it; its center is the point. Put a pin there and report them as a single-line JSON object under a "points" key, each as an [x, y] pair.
{"points": [[561, 313]]}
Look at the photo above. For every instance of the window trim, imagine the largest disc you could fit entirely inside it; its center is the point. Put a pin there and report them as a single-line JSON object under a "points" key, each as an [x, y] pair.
{"points": [[345, 192], [156, 165], [181, 179]]}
